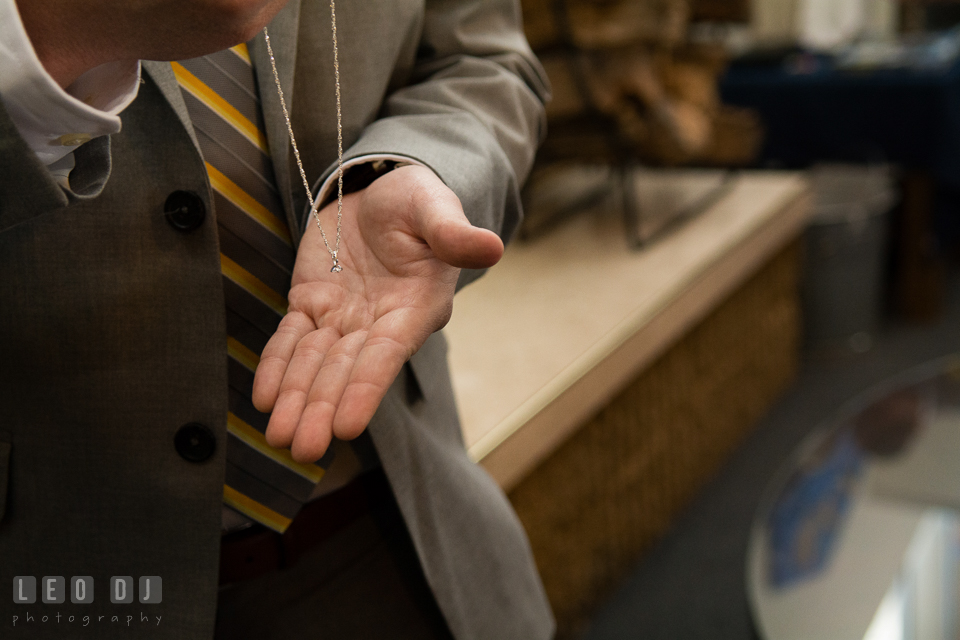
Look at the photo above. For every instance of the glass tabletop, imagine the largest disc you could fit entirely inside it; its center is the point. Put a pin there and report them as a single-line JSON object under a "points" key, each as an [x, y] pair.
{"points": [[858, 535]]}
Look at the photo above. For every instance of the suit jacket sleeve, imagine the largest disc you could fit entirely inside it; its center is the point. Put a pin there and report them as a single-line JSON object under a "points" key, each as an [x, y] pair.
{"points": [[472, 111]]}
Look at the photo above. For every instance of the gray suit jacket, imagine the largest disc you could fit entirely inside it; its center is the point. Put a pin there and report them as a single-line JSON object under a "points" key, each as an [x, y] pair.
{"points": [[112, 322]]}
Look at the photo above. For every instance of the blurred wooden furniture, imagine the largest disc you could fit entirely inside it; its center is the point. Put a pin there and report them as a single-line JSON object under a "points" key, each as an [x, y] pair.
{"points": [[630, 89], [627, 84], [720, 10], [601, 387]]}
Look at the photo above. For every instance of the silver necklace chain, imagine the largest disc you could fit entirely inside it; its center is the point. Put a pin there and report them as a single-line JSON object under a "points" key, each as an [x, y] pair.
{"points": [[315, 204]]}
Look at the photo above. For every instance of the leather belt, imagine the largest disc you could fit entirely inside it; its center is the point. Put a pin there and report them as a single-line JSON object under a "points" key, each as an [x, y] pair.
{"points": [[255, 551]]}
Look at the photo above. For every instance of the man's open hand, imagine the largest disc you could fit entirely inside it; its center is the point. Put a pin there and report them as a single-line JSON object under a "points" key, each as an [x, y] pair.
{"points": [[346, 335]]}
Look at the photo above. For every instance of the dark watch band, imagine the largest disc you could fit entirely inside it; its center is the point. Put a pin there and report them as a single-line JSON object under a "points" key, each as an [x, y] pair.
{"points": [[361, 176]]}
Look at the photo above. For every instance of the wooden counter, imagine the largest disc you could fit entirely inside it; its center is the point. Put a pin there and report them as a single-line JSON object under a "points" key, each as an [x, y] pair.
{"points": [[555, 330]]}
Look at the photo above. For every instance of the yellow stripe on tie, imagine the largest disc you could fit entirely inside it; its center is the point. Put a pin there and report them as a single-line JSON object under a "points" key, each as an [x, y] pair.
{"points": [[221, 107], [252, 285], [253, 509], [255, 439], [242, 52], [246, 203], [241, 354]]}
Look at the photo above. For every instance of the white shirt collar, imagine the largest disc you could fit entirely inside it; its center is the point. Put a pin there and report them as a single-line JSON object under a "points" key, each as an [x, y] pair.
{"points": [[54, 121]]}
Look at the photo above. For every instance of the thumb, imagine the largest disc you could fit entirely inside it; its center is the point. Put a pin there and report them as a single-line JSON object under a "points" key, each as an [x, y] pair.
{"points": [[454, 240], [462, 245]]}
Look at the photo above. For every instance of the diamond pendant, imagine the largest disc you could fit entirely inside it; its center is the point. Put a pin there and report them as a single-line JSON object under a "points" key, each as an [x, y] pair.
{"points": [[336, 268]]}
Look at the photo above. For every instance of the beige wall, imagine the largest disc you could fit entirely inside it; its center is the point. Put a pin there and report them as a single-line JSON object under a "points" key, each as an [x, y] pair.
{"points": [[822, 21]]}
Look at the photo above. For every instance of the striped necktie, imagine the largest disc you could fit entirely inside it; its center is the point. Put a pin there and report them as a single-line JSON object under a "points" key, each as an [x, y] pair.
{"points": [[256, 259]]}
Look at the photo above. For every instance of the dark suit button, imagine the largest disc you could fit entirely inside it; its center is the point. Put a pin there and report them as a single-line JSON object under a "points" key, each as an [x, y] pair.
{"points": [[185, 210], [194, 442]]}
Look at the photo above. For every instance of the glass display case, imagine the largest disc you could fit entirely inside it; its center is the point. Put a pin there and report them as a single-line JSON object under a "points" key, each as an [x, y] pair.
{"points": [[858, 537]]}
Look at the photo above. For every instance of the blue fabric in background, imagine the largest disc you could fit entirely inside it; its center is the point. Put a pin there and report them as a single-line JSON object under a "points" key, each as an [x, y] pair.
{"points": [[815, 112], [807, 518]]}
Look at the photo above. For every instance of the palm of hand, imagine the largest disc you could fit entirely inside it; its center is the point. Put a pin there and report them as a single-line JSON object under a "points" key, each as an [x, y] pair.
{"points": [[346, 335]]}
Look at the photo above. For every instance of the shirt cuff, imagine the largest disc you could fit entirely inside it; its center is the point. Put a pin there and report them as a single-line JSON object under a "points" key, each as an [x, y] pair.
{"points": [[51, 120], [329, 186]]}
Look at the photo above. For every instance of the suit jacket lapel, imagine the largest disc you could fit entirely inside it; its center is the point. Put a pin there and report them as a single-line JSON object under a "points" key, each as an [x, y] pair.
{"points": [[283, 39], [162, 75]]}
